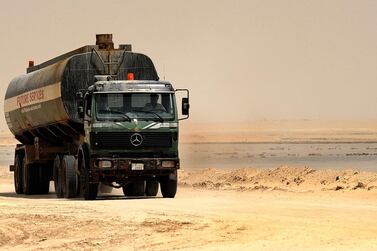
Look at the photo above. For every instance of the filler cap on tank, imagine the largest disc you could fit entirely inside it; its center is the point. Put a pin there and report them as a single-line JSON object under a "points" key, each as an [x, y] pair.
{"points": [[105, 41]]}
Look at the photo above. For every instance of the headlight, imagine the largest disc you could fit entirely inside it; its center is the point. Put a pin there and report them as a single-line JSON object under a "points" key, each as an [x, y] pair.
{"points": [[104, 164], [168, 163]]}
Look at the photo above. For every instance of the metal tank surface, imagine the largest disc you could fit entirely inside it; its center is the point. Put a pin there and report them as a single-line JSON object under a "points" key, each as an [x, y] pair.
{"points": [[42, 102]]}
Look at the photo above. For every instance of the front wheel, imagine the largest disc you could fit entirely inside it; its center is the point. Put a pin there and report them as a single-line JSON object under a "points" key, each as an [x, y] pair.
{"points": [[169, 185], [136, 188], [151, 188], [88, 189]]}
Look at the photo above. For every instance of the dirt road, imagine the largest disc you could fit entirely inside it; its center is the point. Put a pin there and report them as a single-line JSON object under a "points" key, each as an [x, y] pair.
{"points": [[197, 219]]}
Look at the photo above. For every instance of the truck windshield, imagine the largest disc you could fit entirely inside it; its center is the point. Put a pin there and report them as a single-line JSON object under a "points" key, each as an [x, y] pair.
{"points": [[141, 106]]}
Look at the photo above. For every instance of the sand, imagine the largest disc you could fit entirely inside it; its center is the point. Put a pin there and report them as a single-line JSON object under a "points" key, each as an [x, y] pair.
{"points": [[284, 178], [244, 209], [282, 208]]}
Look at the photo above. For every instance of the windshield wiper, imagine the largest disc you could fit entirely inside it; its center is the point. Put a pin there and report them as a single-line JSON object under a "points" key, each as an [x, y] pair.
{"points": [[116, 112], [154, 113]]}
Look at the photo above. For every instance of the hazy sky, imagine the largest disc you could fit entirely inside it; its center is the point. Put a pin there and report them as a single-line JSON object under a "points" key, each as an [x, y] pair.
{"points": [[242, 60]]}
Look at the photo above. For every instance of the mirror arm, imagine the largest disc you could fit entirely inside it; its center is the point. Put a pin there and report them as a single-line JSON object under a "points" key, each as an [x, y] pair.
{"points": [[187, 116]]}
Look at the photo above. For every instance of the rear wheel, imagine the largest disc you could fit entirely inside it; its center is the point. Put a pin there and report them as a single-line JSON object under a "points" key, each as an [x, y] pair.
{"points": [[151, 188], [29, 178], [57, 173], [36, 179], [42, 178], [169, 185], [135, 188], [18, 182], [69, 176]]}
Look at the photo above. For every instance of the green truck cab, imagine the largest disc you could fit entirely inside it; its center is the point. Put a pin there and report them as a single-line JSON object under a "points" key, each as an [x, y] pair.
{"points": [[131, 135]]}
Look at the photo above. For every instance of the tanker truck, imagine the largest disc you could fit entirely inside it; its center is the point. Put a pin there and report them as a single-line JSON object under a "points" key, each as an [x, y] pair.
{"points": [[95, 116]]}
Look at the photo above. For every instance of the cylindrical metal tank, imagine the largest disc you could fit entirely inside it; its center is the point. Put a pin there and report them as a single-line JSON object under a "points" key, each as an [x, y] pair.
{"points": [[42, 103]]}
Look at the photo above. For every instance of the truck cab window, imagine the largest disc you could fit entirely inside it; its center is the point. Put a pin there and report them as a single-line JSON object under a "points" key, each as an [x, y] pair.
{"points": [[141, 106]]}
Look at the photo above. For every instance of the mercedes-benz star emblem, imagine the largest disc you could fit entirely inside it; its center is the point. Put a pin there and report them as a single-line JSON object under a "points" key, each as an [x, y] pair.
{"points": [[136, 139]]}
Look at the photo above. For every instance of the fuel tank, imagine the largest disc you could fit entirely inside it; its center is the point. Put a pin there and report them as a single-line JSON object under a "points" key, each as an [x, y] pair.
{"points": [[42, 103]]}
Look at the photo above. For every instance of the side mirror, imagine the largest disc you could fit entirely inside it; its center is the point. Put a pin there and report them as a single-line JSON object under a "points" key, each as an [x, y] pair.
{"points": [[185, 106], [185, 103]]}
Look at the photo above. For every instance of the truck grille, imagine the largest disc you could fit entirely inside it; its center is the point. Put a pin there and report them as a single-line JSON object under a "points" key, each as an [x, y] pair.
{"points": [[130, 140]]}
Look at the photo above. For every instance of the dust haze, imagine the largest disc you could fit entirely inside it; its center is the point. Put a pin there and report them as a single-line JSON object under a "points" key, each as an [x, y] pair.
{"points": [[242, 61]]}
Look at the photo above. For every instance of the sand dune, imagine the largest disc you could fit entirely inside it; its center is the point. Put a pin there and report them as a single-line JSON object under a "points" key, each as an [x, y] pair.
{"points": [[284, 178]]}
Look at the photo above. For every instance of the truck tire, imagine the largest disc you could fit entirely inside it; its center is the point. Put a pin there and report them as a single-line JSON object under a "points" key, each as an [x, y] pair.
{"points": [[69, 178], [29, 178], [151, 188], [18, 182], [42, 179], [139, 188], [90, 192], [127, 189], [136, 188], [169, 185], [87, 189], [57, 176]]}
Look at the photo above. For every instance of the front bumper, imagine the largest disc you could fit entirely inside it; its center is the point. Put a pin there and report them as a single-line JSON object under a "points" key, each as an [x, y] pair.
{"points": [[122, 168]]}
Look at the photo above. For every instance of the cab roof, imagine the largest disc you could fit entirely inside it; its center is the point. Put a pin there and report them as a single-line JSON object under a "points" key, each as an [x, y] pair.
{"points": [[131, 86]]}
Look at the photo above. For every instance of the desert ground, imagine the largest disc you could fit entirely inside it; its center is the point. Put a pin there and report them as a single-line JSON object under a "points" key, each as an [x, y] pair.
{"points": [[276, 208], [281, 208]]}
